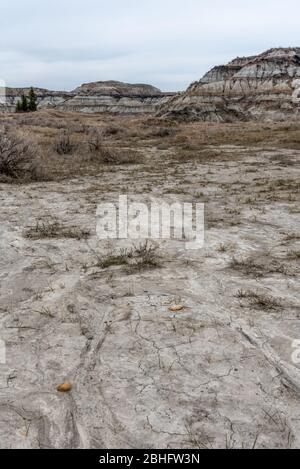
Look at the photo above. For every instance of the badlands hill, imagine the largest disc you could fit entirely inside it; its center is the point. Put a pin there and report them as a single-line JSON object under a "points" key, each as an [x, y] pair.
{"points": [[102, 96], [262, 87]]}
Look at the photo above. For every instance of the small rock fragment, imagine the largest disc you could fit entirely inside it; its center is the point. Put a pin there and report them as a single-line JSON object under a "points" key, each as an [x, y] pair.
{"points": [[176, 308], [64, 387]]}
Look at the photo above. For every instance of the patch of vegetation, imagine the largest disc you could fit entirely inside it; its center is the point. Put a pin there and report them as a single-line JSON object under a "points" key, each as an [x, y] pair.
{"points": [[137, 258], [223, 247], [144, 256], [45, 312], [260, 300], [112, 130], [111, 260], [18, 159], [54, 229], [292, 237], [294, 255], [100, 153], [259, 267], [63, 145], [162, 132]]}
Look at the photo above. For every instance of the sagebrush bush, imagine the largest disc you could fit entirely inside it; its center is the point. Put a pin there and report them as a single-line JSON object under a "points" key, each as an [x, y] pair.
{"points": [[98, 152], [102, 154], [64, 146], [112, 130], [18, 159], [142, 257], [95, 141]]}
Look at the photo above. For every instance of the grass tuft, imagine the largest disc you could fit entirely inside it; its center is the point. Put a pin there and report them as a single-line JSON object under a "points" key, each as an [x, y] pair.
{"points": [[54, 229]]}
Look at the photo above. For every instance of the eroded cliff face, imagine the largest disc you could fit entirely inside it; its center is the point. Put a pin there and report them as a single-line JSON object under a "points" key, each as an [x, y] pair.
{"points": [[116, 97], [111, 96], [263, 87]]}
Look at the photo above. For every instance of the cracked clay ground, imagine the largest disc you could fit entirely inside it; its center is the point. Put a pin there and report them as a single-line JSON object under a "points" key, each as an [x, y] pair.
{"points": [[217, 374]]}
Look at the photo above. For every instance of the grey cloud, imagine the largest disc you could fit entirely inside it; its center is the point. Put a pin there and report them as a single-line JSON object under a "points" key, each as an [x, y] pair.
{"points": [[168, 43]]}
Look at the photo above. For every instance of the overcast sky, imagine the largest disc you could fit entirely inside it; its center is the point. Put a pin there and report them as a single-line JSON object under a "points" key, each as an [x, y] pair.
{"points": [[60, 44]]}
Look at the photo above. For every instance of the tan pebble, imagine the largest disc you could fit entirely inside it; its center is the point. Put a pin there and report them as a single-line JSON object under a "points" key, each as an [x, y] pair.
{"points": [[176, 308], [65, 387]]}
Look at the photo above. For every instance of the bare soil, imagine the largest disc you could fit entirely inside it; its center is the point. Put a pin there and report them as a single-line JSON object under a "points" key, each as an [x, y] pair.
{"points": [[216, 374]]}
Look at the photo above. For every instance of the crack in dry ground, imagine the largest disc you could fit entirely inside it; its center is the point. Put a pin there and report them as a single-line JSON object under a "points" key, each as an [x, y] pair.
{"points": [[217, 374]]}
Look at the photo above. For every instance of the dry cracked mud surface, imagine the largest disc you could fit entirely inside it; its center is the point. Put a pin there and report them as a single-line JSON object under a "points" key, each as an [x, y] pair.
{"points": [[217, 374]]}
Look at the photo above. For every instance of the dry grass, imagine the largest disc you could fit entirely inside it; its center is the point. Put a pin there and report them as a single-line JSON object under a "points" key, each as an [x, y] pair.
{"points": [[137, 258], [292, 237], [99, 152], [54, 229], [72, 144], [18, 159], [294, 255], [260, 300], [162, 132], [64, 146], [260, 266], [222, 248], [110, 260]]}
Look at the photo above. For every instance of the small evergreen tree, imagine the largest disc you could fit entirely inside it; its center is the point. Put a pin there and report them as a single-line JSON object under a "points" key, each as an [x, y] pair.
{"points": [[24, 104], [27, 104], [19, 106], [32, 104]]}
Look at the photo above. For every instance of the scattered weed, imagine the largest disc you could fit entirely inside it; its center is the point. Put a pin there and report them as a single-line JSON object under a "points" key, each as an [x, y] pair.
{"points": [[260, 300], [137, 258], [54, 229]]}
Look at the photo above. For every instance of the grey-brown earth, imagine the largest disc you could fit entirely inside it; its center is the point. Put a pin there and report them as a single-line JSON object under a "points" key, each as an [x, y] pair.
{"points": [[217, 374]]}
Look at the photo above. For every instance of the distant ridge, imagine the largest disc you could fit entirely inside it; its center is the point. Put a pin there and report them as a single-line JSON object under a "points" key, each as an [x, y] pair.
{"points": [[102, 96], [260, 87]]}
